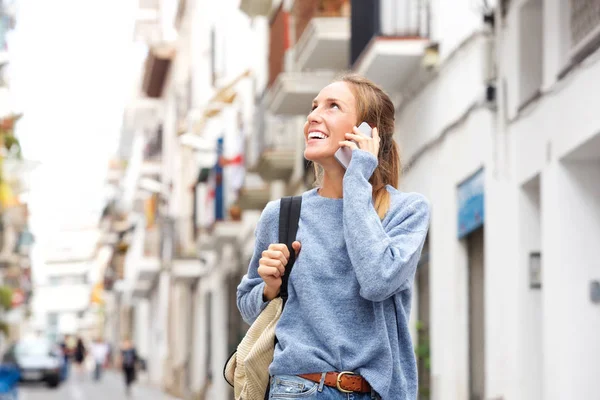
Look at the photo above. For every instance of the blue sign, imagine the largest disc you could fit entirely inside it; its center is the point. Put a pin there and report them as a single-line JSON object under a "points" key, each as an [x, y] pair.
{"points": [[219, 194], [471, 213]]}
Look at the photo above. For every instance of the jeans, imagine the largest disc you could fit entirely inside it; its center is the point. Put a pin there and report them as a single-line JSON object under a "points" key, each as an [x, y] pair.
{"points": [[98, 371], [285, 387]]}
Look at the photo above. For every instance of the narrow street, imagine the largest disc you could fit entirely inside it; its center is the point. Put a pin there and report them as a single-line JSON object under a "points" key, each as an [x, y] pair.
{"points": [[110, 387]]}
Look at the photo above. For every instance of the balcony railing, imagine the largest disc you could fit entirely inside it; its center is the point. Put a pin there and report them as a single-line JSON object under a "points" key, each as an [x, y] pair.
{"points": [[386, 18], [270, 133]]}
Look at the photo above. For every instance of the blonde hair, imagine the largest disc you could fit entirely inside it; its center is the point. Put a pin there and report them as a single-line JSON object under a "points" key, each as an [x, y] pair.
{"points": [[375, 107]]}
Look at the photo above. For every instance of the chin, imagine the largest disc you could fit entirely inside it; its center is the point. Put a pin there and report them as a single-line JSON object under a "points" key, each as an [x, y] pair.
{"points": [[317, 156]]}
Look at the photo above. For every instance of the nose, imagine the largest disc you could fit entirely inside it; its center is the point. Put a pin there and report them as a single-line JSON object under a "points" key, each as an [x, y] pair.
{"points": [[314, 116]]}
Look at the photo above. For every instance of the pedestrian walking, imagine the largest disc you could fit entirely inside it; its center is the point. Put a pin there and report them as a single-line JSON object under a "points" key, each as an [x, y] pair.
{"points": [[100, 353], [79, 355], [344, 328], [129, 360], [66, 355]]}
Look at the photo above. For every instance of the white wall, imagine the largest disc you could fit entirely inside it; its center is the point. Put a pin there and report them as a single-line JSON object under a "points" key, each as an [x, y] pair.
{"points": [[453, 21], [218, 325], [528, 362], [459, 86], [570, 217], [141, 334], [448, 119], [199, 350], [562, 125], [437, 175]]}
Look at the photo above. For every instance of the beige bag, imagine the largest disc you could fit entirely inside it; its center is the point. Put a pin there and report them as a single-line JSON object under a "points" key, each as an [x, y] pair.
{"points": [[247, 370]]}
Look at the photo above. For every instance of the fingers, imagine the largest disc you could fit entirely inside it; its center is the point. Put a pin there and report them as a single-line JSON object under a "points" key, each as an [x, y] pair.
{"points": [[376, 135], [359, 140], [347, 143], [271, 265], [275, 255], [280, 247], [297, 246], [269, 273]]}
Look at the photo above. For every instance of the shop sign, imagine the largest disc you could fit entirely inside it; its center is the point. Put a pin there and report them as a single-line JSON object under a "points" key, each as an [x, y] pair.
{"points": [[471, 213]]}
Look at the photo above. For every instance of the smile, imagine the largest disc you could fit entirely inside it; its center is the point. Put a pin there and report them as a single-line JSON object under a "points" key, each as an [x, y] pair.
{"points": [[316, 135]]}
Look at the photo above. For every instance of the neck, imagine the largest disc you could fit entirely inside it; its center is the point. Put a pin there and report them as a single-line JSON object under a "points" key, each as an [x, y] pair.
{"points": [[332, 185]]}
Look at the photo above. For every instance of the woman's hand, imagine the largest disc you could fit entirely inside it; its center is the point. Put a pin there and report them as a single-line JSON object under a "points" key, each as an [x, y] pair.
{"points": [[271, 267], [363, 141]]}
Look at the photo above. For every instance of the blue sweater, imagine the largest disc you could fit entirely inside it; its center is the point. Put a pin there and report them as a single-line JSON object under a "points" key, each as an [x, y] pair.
{"points": [[350, 289]]}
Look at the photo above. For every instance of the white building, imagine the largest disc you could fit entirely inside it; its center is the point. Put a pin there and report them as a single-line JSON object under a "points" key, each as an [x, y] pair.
{"points": [[497, 126], [66, 270], [500, 140]]}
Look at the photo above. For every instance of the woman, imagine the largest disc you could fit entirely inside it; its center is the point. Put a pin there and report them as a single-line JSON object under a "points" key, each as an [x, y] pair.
{"points": [[345, 324]]}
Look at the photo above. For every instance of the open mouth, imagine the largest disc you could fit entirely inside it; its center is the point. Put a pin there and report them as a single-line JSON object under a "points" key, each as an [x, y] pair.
{"points": [[316, 135]]}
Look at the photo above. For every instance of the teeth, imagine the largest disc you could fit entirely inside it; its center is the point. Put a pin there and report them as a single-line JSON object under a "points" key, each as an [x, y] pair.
{"points": [[316, 135]]}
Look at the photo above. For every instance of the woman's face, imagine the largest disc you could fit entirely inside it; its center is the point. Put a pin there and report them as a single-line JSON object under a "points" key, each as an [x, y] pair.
{"points": [[333, 115]]}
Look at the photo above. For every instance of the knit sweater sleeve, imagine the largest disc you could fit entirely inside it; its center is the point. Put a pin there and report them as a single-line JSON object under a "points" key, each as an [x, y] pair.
{"points": [[250, 290], [384, 254]]}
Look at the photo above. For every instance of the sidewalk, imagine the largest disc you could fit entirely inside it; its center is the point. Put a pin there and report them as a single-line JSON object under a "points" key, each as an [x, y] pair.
{"points": [[111, 387]]}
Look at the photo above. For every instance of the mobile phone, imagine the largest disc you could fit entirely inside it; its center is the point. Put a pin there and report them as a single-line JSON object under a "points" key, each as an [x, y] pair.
{"points": [[344, 154]]}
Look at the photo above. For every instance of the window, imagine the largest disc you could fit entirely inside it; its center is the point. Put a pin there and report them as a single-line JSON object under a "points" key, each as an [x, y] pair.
{"points": [[531, 54]]}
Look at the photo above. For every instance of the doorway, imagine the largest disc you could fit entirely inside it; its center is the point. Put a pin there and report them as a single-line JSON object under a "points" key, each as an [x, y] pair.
{"points": [[476, 275], [423, 323]]}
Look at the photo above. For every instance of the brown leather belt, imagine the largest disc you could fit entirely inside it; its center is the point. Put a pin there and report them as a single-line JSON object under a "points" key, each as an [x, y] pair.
{"points": [[345, 382]]}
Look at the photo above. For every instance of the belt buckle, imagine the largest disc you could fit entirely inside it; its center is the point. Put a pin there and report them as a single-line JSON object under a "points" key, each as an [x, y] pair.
{"points": [[339, 380]]}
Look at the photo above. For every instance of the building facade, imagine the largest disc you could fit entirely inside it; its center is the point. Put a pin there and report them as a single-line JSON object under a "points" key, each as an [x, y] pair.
{"points": [[495, 121]]}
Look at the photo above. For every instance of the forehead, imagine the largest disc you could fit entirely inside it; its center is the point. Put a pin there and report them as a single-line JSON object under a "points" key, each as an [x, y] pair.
{"points": [[337, 90]]}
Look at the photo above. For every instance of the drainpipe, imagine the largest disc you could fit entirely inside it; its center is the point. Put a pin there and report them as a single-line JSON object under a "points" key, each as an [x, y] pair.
{"points": [[501, 143]]}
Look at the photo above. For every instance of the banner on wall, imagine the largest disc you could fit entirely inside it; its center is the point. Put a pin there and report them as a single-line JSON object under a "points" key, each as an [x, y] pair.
{"points": [[471, 212]]}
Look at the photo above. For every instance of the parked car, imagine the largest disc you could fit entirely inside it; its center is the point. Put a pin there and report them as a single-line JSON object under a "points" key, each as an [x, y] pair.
{"points": [[38, 360]]}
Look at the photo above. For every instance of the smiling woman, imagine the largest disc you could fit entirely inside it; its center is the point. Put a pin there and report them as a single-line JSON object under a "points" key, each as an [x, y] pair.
{"points": [[336, 111], [344, 328]]}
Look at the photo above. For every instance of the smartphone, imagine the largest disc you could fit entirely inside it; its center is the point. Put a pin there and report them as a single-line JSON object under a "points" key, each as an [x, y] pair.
{"points": [[344, 154]]}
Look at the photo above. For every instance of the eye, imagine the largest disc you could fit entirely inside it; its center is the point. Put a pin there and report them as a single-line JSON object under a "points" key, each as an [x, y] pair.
{"points": [[313, 107], [335, 105]]}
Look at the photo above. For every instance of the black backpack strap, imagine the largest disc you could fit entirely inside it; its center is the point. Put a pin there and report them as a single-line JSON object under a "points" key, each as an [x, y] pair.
{"points": [[289, 216]]}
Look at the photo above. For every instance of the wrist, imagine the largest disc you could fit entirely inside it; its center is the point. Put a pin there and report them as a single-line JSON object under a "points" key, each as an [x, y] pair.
{"points": [[269, 293]]}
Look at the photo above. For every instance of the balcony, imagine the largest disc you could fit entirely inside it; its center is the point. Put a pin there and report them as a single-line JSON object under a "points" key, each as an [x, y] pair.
{"points": [[389, 38], [324, 44], [254, 196], [156, 69], [226, 233], [186, 263], [141, 290], [255, 8], [292, 93], [274, 150]]}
